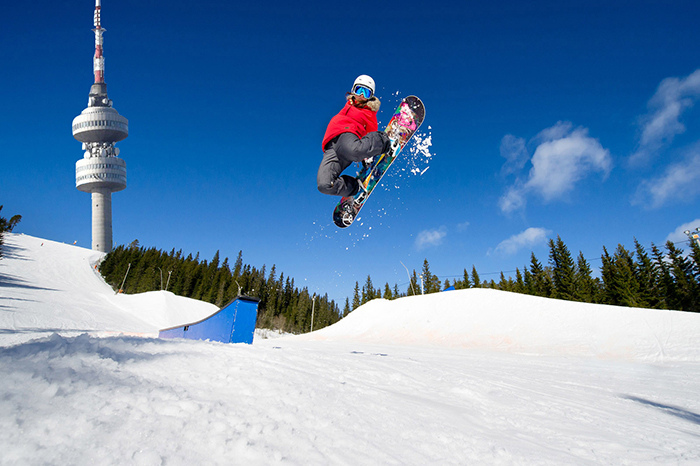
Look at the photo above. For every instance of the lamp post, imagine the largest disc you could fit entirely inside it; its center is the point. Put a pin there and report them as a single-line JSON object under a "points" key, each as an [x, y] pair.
{"points": [[313, 308], [410, 282], [694, 235]]}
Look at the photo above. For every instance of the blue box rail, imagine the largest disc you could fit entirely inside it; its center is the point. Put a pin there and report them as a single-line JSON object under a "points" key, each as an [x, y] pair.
{"points": [[233, 323]]}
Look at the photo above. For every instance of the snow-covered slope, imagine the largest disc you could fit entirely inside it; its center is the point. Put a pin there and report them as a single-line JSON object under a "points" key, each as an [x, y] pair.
{"points": [[459, 378], [47, 286], [492, 319]]}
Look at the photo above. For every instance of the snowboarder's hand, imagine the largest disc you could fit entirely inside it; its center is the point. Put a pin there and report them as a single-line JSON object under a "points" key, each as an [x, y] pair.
{"points": [[385, 141]]}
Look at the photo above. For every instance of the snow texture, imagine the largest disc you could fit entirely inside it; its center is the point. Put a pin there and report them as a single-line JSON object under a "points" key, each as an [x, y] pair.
{"points": [[462, 377]]}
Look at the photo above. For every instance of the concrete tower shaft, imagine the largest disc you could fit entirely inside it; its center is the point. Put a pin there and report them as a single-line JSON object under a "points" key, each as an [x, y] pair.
{"points": [[99, 127]]}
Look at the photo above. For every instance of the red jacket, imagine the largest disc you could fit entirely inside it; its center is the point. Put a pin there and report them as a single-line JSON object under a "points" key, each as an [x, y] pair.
{"points": [[351, 119]]}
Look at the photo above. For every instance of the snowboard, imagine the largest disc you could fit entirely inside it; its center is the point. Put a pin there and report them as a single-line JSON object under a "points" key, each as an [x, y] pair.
{"points": [[402, 126]]}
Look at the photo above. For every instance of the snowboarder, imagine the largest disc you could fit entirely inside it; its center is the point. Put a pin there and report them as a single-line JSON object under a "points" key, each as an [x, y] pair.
{"points": [[351, 136]]}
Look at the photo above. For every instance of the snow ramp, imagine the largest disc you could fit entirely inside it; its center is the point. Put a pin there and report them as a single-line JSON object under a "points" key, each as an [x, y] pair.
{"points": [[498, 320]]}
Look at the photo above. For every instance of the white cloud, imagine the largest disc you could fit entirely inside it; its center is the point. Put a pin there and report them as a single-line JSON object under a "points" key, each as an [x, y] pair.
{"points": [[462, 226], [680, 181], [558, 131], [427, 238], [528, 238], [563, 157], [513, 199], [663, 121], [558, 164], [514, 151]]}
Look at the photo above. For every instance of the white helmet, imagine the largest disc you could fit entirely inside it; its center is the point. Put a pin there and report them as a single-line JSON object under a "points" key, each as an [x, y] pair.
{"points": [[363, 81]]}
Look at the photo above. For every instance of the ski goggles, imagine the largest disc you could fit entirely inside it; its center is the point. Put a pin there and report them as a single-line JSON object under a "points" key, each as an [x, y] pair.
{"points": [[364, 91]]}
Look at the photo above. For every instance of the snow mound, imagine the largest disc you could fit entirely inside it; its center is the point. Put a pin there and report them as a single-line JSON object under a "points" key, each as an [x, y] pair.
{"points": [[498, 320]]}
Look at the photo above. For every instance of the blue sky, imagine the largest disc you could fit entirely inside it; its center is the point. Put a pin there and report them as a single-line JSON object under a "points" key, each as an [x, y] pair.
{"points": [[544, 118]]}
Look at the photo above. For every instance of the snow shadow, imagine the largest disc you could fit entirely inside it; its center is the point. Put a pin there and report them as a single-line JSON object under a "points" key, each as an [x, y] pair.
{"points": [[9, 281], [13, 252], [120, 349], [39, 330], [669, 409]]}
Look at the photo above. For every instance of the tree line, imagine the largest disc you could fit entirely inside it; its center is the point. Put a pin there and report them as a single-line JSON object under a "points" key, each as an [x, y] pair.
{"points": [[655, 279], [282, 305]]}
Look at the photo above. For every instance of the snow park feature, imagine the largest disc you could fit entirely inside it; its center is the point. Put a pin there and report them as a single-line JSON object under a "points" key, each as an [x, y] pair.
{"points": [[467, 377], [233, 323]]}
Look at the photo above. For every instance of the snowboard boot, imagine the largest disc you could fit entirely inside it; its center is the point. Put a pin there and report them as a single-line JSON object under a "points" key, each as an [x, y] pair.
{"points": [[361, 193]]}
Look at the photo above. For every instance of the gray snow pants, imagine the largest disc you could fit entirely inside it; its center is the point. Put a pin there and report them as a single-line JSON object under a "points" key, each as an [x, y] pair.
{"points": [[339, 154]]}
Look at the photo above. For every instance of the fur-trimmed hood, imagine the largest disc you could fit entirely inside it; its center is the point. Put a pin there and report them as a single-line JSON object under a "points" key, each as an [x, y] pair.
{"points": [[373, 103]]}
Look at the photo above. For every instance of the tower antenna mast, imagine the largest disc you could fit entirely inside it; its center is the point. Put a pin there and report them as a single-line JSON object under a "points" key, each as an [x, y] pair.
{"points": [[99, 127], [98, 64]]}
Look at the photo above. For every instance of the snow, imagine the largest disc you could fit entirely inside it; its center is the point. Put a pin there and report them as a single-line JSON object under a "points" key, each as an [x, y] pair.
{"points": [[461, 377], [47, 286], [497, 320]]}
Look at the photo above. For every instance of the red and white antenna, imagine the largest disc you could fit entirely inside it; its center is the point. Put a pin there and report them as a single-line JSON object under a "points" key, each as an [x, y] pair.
{"points": [[99, 61]]}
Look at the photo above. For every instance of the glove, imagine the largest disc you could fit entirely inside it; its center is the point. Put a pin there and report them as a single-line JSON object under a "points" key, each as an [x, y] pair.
{"points": [[386, 142]]}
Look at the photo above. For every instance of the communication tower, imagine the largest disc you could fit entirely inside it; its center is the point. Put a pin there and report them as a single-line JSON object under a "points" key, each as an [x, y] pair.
{"points": [[99, 127]]}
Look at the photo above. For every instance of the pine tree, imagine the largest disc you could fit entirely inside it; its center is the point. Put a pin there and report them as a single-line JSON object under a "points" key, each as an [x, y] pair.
{"points": [[431, 284], [668, 289], [620, 286], [630, 289], [466, 282], [686, 286], [238, 265], [586, 287], [528, 282], [475, 278], [648, 278], [356, 301], [387, 292], [541, 280], [368, 292], [563, 271], [519, 285], [413, 285]]}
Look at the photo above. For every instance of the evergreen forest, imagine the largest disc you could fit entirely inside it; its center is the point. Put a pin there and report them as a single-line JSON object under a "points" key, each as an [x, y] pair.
{"points": [[655, 279], [282, 305]]}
